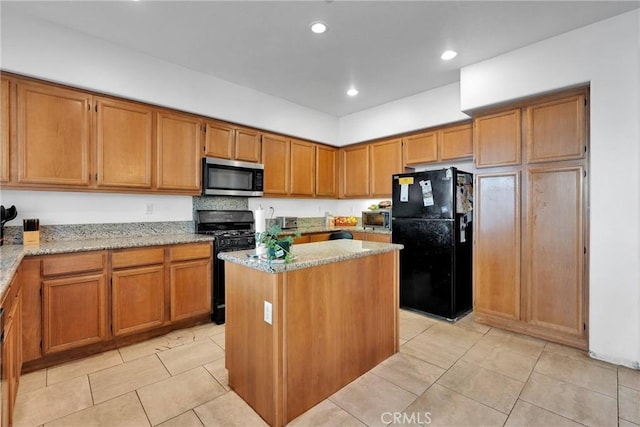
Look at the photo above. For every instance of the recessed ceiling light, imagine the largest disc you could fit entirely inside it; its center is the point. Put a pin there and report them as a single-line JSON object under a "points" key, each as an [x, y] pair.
{"points": [[318, 27], [352, 91], [448, 54]]}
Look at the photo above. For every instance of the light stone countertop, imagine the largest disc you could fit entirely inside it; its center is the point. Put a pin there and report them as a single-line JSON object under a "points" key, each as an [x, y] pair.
{"points": [[312, 254], [325, 229], [11, 255]]}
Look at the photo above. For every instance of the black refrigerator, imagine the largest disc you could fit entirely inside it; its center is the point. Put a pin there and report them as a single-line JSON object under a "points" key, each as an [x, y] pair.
{"points": [[432, 216]]}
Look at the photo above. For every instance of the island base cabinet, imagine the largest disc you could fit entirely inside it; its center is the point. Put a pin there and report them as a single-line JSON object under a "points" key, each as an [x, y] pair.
{"points": [[329, 325], [74, 311]]}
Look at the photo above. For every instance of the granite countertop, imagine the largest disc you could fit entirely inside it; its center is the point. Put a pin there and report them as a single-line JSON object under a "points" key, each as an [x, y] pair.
{"points": [[313, 254], [11, 255], [325, 229]]}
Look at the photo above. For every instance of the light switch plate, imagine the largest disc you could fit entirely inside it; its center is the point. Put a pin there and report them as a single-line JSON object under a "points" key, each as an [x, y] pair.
{"points": [[267, 313]]}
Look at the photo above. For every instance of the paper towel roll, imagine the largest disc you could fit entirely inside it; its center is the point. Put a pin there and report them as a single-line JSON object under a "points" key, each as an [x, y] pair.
{"points": [[259, 219]]}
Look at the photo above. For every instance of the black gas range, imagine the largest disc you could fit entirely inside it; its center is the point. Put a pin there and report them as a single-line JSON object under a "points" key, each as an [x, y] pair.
{"points": [[233, 231]]}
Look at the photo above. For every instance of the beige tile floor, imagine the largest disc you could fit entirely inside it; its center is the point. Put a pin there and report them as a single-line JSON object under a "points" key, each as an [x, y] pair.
{"points": [[462, 374]]}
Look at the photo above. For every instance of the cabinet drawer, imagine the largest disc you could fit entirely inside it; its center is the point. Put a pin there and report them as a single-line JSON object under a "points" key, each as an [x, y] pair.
{"points": [[190, 251], [72, 263], [136, 257]]}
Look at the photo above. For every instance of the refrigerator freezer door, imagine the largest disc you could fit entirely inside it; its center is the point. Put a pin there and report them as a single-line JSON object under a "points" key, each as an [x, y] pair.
{"points": [[424, 194], [426, 265]]}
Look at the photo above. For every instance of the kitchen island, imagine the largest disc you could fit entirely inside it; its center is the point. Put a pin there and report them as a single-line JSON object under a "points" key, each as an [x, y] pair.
{"points": [[296, 333]]}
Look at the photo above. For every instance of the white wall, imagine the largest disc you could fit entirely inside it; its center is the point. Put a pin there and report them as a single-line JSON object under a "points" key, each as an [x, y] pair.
{"points": [[36, 48], [53, 207], [607, 55], [431, 108]]}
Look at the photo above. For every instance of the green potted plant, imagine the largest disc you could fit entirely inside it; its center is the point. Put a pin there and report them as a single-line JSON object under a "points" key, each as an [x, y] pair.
{"points": [[278, 247]]}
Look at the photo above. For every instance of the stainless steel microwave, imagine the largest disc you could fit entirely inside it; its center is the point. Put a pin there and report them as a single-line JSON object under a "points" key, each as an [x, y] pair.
{"points": [[380, 218], [221, 177]]}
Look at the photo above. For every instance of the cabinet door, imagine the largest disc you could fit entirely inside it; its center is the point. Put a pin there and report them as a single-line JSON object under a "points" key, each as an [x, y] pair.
{"points": [[554, 254], [276, 157], [355, 171], [5, 125], [137, 296], [456, 142], [247, 145], [178, 153], [191, 289], [218, 140], [302, 239], [556, 130], [386, 160], [326, 164], [303, 168], [497, 139], [378, 237], [74, 312], [319, 237], [53, 135], [496, 264], [124, 142], [421, 148]]}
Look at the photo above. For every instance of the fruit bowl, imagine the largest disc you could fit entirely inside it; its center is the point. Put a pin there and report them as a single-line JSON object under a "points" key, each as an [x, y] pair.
{"points": [[346, 221]]}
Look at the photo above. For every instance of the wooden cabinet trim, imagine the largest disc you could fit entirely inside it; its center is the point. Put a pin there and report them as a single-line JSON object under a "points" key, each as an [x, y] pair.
{"points": [[497, 139], [190, 296], [137, 305], [183, 252], [421, 148], [53, 265], [136, 257], [456, 142]]}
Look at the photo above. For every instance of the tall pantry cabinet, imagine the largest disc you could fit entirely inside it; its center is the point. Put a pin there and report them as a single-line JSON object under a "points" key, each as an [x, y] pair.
{"points": [[530, 225]]}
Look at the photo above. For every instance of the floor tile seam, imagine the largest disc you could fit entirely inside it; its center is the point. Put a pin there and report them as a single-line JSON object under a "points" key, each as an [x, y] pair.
{"points": [[344, 409], [626, 419], [589, 362], [211, 339], [577, 385], [524, 383], [589, 359], [580, 387], [391, 382], [86, 373], [143, 408], [545, 409], [200, 420], [216, 380], [477, 401], [623, 385]]}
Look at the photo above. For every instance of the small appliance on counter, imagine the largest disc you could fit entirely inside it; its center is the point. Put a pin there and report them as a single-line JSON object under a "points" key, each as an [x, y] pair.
{"points": [[283, 221], [6, 215], [31, 232], [377, 219]]}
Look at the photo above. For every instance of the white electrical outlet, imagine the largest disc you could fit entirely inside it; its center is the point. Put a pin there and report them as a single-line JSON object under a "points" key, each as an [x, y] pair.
{"points": [[267, 313], [148, 208]]}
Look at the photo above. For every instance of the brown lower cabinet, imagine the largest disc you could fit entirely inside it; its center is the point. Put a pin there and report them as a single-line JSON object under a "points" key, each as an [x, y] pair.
{"points": [[11, 348], [84, 303]]}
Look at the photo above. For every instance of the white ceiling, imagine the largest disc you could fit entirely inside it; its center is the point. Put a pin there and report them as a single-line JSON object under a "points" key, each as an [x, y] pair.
{"points": [[387, 49]]}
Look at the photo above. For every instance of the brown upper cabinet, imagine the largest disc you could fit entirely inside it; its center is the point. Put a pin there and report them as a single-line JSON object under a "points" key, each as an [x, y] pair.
{"points": [[386, 160], [497, 138], [366, 169], [54, 135], [178, 152], [354, 171], [439, 144], [290, 166], [421, 148], [303, 168], [226, 141], [5, 126], [456, 142], [556, 129], [326, 171], [276, 157], [124, 142]]}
